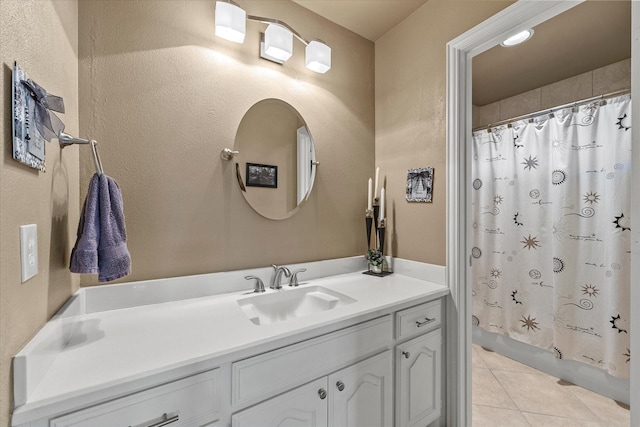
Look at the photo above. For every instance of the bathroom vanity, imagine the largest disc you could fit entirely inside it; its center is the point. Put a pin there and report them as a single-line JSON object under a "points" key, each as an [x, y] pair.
{"points": [[344, 350]]}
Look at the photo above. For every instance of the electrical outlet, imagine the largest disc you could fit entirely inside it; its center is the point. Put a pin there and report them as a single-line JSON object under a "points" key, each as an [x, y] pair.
{"points": [[29, 251]]}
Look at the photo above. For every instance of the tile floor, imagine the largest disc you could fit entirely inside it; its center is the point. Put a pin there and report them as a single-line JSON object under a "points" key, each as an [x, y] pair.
{"points": [[510, 394]]}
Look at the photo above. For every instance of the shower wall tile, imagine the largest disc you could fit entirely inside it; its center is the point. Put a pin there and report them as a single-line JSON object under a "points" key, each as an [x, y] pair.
{"points": [[566, 91], [525, 103], [600, 81], [487, 114], [612, 77]]}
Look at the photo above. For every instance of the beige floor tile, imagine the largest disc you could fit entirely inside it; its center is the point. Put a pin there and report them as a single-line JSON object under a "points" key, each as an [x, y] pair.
{"points": [[541, 394], [604, 408], [476, 360], [486, 416], [487, 391], [495, 360], [540, 420]]}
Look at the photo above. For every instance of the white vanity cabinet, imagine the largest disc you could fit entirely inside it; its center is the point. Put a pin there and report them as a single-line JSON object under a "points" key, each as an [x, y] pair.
{"points": [[419, 365], [356, 396], [191, 401], [376, 362]]}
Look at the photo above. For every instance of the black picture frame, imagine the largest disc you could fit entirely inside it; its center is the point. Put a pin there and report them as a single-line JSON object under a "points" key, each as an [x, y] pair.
{"points": [[259, 175]]}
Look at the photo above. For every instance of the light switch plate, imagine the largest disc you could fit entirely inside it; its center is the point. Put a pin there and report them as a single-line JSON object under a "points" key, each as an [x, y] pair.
{"points": [[29, 251]]}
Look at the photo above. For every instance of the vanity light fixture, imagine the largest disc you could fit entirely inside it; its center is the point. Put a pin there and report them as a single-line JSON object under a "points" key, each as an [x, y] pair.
{"points": [[231, 22], [276, 44], [521, 37], [318, 56]]}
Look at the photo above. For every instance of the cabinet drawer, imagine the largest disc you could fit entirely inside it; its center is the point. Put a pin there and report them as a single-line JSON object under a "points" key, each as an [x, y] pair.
{"points": [[192, 401], [276, 371], [418, 319]]}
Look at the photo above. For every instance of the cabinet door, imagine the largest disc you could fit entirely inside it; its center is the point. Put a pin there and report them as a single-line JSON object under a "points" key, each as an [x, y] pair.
{"points": [[305, 406], [362, 394], [418, 376]]}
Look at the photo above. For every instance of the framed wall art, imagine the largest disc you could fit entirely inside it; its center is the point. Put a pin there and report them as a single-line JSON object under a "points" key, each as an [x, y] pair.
{"points": [[28, 144], [419, 185], [262, 175]]}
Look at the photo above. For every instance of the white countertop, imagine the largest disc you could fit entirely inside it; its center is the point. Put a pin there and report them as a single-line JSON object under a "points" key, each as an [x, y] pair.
{"points": [[134, 345]]}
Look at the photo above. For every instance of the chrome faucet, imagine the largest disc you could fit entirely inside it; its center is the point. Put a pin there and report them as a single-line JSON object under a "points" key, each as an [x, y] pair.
{"points": [[276, 279]]}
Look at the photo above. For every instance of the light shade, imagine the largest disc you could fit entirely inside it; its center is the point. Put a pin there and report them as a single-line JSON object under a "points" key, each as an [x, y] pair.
{"points": [[278, 42], [521, 37], [318, 57], [231, 22]]}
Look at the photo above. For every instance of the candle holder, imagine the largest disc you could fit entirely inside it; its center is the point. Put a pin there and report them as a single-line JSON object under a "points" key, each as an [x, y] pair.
{"points": [[382, 225], [368, 218], [376, 268]]}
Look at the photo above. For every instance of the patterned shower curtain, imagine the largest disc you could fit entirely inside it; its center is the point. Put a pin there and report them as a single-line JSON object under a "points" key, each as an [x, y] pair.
{"points": [[551, 242]]}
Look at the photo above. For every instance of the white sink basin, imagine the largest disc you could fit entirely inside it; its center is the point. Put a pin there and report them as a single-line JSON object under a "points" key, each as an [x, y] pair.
{"points": [[288, 304]]}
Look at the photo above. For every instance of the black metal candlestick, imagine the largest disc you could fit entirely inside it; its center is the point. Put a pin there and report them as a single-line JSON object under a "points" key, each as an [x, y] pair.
{"points": [[376, 211], [382, 225], [368, 218]]}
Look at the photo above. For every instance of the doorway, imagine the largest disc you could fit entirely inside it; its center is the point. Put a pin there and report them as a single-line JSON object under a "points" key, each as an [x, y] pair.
{"points": [[460, 52]]}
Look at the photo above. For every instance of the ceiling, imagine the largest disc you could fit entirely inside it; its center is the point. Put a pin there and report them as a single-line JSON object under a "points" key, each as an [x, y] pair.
{"points": [[369, 18], [588, 36]]}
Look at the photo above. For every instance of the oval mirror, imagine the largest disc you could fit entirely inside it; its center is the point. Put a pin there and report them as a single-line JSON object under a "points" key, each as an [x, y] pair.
{"points": [[276, 166]]}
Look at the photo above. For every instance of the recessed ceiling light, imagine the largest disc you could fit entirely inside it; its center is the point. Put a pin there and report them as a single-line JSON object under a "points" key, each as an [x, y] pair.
{"points": [[521, 37]]}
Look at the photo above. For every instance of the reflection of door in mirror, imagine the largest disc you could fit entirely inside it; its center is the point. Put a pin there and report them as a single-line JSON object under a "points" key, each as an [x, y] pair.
{"points": [[272, 133], [305, 157]]}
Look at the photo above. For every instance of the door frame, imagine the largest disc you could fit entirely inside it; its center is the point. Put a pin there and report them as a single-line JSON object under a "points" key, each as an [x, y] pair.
{"points": [[460, 51]]}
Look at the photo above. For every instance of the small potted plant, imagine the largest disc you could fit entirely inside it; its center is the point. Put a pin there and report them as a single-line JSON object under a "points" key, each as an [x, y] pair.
{"points": [[376, 260]]}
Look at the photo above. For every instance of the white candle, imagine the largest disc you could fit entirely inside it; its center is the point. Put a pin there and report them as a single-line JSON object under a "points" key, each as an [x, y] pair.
{"points": [[369, 200], [375, 192], [382, 203]]}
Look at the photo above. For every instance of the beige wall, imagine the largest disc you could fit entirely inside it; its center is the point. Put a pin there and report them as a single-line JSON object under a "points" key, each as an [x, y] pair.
{"points": [[600, 81], [42, 36], [163, 96], [411, 116]]}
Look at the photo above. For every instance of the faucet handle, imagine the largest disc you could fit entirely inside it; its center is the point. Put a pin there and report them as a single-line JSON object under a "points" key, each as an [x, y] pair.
{"points": [[294, 277], [259, 285]]}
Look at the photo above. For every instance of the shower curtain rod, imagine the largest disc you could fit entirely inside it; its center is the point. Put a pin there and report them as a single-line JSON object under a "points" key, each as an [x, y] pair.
{"points": [[531, 116]]}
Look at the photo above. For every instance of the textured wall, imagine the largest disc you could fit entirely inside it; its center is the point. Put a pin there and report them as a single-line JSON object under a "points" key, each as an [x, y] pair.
{"points": [[42, 37], [163, 96], [411, 117]]}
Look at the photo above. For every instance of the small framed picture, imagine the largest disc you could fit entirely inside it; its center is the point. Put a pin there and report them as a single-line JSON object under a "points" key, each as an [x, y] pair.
{"points": [[419, 185], [28, 144], [262, 175]]}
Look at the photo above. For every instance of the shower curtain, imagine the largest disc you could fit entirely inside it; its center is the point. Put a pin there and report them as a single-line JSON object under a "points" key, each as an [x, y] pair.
{"points": [[551, 232]]}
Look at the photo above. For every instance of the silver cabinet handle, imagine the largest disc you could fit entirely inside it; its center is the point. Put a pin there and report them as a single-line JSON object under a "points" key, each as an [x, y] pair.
{"points": [[164, 420], [426, 321], [406, 354], [340, 385], [322, 393]]}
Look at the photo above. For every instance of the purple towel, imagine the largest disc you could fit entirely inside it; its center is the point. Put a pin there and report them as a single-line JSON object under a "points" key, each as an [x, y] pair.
{"points": [[101, 246]]}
